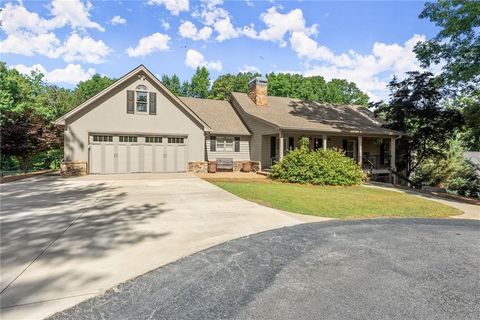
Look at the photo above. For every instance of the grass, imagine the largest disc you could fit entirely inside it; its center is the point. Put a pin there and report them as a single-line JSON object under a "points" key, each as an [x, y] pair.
{"points": [[337, 202]]}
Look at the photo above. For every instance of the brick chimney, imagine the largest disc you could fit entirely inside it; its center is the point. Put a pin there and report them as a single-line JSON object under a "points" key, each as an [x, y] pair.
{"points": [[257, 90]]}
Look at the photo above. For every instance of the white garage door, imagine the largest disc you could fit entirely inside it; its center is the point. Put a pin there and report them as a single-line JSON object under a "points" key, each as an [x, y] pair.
{"points": [[132, 153]]}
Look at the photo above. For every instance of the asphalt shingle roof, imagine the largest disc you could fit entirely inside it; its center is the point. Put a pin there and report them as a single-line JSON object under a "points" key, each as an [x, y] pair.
{"points": [[295, 114], [219, 115]]}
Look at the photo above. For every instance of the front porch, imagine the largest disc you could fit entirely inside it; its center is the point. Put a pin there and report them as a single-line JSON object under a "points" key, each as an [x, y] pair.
{"points": [[376, 154]]}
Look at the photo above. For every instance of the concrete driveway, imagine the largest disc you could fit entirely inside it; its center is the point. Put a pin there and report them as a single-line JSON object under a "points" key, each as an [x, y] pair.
{"points": [[66, 240], [371, 269]]}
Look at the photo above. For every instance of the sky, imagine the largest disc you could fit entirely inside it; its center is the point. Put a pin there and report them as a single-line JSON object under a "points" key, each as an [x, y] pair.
{"points": [[366, 42]]}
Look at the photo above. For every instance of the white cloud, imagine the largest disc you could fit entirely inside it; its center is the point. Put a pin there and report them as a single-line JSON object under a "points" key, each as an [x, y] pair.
{"points": [[247, 68], [174, 6], [147, 45], [165, 24], [46, 44], [71, 74], [117, 20], [279, 24], [195, 59], [188, 30], [225, 29], [74, 13], [29, 34], [371, 72], [84, 49]]}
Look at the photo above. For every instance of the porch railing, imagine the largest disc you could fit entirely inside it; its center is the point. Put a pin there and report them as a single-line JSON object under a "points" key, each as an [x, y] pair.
{"points": [[375, 162]]}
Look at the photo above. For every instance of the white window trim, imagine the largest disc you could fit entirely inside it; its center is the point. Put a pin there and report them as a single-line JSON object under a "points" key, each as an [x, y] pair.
{"points": [[221, 144], [136, 102]]}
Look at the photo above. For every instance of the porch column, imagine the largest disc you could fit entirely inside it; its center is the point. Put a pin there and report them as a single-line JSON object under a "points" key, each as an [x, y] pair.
{"points": [[280, 147], [360, 150], [392, 154], [324, 142], [392, 161]]}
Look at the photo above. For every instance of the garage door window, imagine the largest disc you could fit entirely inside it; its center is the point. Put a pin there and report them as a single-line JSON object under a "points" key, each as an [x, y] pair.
{"points": [[153, 139], [100, 138], [175, 140], [127, 139]]}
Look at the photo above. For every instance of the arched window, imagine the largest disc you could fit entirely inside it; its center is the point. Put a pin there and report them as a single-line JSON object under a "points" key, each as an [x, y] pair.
{"points": [[142, 96]]}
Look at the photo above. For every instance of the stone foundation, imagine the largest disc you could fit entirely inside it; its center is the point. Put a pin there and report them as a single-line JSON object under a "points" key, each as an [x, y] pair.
{"points": [[198, 166], [202, 166], [73, 168]]}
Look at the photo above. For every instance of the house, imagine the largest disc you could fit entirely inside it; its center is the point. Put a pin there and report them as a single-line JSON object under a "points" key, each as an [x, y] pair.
{"points": [[138, 125]]}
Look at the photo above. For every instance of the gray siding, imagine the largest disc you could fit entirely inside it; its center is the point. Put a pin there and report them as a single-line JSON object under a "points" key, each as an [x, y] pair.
{"points": [[259, 142], [109, 115], [244, 153]]}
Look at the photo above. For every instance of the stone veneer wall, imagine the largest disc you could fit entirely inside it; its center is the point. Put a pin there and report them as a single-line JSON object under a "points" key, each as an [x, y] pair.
{"points": [[198, 166], [258, 93], [202, 166], [73, 168]]}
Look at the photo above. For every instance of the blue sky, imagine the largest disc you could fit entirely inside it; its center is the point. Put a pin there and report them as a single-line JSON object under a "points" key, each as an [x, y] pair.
{"points": [[364, 42]]}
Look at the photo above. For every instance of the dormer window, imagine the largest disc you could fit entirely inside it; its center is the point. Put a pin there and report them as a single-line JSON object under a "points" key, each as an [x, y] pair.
{"points": [[142, 98]]}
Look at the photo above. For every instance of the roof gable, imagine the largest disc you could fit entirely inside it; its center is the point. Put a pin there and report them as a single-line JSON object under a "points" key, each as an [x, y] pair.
{"points": [[140, 70]]}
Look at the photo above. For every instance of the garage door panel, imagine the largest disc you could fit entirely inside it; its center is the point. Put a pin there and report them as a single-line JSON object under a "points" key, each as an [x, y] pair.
{"points": [[125, 155], [159, 163], [148, 158], [95, 158], [181, 158], [122, 159]]}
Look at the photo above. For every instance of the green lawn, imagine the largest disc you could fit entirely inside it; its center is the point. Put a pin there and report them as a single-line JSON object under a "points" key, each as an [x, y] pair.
{"points": [[337, 202]]}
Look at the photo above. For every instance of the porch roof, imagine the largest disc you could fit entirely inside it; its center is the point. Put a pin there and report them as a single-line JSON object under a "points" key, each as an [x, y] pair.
{"points": [[295, 114]]}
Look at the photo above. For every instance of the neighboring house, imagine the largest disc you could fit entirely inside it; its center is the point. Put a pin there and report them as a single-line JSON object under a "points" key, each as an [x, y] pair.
{"points": [[138, 125], [474, 158]]}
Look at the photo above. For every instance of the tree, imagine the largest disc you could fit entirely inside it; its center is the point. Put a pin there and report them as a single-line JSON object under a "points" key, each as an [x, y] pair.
{"points": [[417, 109], [228, 83], [457, 45], [344, 92], [87, 89], [25, 134], [315, 88], [200, 83], [172, 83]]}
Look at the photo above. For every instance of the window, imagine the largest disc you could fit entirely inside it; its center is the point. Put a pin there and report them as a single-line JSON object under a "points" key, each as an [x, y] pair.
{"points": [[153, 139], [141, 100], [291, 143], [175, 140], [99, 138], [127, 139], [224, 144]]}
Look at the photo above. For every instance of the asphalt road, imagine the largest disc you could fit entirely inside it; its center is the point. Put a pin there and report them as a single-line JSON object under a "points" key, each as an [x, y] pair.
{"points": [[375, 269]]}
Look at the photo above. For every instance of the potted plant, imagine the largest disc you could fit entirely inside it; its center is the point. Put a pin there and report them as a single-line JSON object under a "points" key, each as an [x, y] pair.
{"points": [[212, 167], [247, 166]]}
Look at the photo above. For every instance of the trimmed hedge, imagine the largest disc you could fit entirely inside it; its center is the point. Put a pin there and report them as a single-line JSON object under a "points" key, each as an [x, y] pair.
{"points": [[321, 167]]}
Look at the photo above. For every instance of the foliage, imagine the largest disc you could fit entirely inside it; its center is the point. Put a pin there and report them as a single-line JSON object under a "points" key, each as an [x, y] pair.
{"points": [[416, 108], [457, 45], [200, 83], [172, 83], [336, 202], [26, 134], [228, 83], [87, 89], [465, 180], [469, 104], [315, 88], [321, 167]]}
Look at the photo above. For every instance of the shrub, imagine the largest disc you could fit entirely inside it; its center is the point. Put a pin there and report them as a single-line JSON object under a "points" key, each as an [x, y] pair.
{"points": [[465, 181], [321, 167]]}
